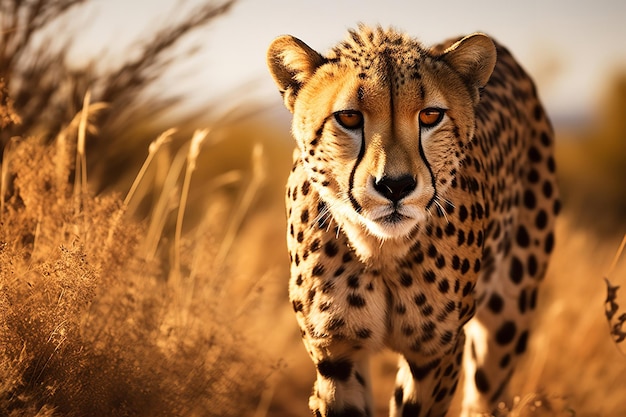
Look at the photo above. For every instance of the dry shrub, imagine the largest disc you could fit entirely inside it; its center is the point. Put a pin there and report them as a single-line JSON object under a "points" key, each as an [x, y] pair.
{"points": [[88, 327]]}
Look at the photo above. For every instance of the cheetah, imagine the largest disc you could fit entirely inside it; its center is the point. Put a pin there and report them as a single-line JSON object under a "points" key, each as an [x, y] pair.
{"points": [[421, 208]]}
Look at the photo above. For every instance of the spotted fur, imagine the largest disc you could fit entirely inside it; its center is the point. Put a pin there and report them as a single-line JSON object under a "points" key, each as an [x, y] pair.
{"points": [[421, 208]]}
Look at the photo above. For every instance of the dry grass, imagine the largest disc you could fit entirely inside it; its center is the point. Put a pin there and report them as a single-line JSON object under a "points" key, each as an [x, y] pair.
{"points": [[89, 327]]}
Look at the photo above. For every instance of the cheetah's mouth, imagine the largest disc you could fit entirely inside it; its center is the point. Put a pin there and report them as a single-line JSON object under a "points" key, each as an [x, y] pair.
{"points": [[393, 218], [390, 222]]}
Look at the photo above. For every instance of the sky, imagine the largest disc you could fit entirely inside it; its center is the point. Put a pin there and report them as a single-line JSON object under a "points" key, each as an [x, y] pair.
{"points": [[572, 48]]}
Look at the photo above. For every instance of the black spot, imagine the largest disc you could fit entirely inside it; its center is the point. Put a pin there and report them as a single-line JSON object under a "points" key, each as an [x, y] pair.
{"points": [[427, 310], [346, 257], [465, 266], [398, 396], [315, 245], [463, 213], [467, 288], [299, 280], [441, 395], [480, 379], [300, 237], [421, 372], [547, 189], [440, 262], [330, 249], [541, 220], [533, 176], [411, 409], [495, 303], [325, 306], [420, 299], [419, 257], [460, 237], [479, 211], [551, 164], [470, 238], [432, 251], [517, 270], [297, 305], [450, 229], [318, 270], [477, 265], [529, 199], [356, 300], [556, 208], [520, 346], [456, 262], [339, 271], [363, 333], [327, 287], [304, 216], [444, 286], [429, 276], [340, 369], [506, 333], [504, 362], [522, 237], [406, 280], [353, 281], [305, 187], [446, 337], [335, 323], [533, 154]]}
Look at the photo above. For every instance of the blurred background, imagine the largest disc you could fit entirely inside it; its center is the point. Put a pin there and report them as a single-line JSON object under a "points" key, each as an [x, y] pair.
{"points": [[215, 273]]}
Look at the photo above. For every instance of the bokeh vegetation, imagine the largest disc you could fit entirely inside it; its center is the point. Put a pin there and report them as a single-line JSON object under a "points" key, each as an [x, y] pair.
{"points": [[170, 299]]}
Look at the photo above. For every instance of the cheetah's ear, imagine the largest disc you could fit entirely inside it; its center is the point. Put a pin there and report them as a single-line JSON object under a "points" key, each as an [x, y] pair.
{"points": [[474, 57], [291, 63]]}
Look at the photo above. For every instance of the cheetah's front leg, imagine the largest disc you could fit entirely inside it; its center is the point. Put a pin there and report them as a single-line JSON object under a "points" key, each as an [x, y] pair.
{"points": [[425, 385], [342, 387]]}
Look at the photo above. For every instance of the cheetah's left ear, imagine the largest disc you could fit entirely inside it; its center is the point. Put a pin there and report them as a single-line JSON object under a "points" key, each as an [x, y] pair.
{"points": [[474, 57], [291, 63]]}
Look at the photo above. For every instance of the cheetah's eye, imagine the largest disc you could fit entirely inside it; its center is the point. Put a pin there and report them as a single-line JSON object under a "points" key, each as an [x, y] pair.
{"points": [[349, 119], [431, 116]]}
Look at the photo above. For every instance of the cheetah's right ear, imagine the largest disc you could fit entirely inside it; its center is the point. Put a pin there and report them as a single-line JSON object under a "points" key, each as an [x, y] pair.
{"points": [[291, 63]]}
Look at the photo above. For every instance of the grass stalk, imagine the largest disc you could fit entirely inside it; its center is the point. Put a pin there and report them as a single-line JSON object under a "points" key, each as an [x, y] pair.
{"points": [[192, 156], [618, 254], [80, 181], [154, 147], [163, 206], [258, 177]]}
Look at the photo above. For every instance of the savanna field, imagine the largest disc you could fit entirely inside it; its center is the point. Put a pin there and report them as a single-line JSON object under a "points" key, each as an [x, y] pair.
{"points": [[143, 265]]}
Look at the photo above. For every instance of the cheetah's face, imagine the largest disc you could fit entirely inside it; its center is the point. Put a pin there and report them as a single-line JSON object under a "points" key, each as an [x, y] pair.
{"points": [[381, 123]]}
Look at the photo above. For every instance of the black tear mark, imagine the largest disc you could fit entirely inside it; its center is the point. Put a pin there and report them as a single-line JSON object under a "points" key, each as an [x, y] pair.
{"points": [[355, 204]]}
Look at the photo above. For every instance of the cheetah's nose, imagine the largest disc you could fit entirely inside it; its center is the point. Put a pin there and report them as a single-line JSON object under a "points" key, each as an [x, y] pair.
{"points": [[395, 189]]}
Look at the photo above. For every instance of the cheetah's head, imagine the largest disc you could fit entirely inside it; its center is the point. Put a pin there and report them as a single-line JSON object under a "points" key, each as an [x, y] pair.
{"points": [[381, 121]]}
